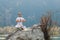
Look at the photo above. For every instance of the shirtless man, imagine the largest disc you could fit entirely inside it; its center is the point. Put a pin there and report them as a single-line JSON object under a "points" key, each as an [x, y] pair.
{"points": [[20, 21]]}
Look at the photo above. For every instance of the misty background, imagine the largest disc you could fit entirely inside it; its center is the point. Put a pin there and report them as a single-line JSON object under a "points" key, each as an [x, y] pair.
{"points": [[32, 10]]}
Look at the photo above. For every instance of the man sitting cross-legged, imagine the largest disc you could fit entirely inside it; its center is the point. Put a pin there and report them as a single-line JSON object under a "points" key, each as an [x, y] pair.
{"points": [[20, 21]]}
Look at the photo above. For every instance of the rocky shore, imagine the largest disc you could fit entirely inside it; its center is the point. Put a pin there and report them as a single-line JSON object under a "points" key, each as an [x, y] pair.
{"points": [[7, 30], [30, 33], [33, 33]]}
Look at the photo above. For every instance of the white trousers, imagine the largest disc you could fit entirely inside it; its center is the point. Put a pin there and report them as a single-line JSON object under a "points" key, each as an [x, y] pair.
{"points": [[18, 26]]}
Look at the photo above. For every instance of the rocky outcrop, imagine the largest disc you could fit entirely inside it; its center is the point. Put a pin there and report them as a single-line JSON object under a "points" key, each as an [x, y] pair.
{"points": [[7, 30], [33, 33]]}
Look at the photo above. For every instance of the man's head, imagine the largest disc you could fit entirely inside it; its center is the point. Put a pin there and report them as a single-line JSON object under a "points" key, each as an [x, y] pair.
{"points": [[19, 14]]}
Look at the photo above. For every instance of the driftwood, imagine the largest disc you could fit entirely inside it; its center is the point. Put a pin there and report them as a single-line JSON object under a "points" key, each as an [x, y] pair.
{"points": [[45, 20]]}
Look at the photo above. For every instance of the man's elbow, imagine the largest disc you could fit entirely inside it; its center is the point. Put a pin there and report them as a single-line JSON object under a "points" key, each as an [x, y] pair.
{"points": [[17, 20], [24, 21]]}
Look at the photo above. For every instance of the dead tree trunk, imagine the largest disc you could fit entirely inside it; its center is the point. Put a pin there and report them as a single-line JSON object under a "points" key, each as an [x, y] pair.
{"points": [[44, 23]]}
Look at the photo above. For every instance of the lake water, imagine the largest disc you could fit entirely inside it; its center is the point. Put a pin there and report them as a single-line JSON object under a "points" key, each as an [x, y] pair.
{"points": [[55, 38]]}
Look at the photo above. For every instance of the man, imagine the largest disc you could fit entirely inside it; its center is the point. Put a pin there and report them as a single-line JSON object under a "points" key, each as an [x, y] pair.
{"points": [[20, 21]]}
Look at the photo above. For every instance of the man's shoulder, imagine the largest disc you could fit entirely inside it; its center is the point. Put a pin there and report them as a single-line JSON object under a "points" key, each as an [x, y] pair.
{"points": [[17, 18]]}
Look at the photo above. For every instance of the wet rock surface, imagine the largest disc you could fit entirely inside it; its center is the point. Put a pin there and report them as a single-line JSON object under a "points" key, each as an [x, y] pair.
{"points": [[33, 33]]}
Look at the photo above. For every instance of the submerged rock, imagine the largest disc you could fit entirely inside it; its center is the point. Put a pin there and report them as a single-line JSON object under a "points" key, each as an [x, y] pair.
{"points": [[33, 33]]}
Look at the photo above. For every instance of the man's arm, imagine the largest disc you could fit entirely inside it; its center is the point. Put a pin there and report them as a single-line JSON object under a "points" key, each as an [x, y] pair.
{"points": [[23, 20], [17, 20]]}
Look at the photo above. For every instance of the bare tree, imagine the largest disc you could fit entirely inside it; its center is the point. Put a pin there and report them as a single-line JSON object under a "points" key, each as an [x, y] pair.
{"points": [[45, 22]]}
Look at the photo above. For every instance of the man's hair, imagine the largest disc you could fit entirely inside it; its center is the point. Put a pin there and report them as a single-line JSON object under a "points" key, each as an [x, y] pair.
{"points": [[19, 14]]}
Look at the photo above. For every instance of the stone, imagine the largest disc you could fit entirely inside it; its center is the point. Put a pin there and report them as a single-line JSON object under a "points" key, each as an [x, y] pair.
{"points": [[33, 33]]}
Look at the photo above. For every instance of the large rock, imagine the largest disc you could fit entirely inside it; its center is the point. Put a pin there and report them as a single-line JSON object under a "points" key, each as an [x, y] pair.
{"points": [[33, 33]]}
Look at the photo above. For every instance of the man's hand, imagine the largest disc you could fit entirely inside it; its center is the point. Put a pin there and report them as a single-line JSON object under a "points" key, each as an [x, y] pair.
{"points": [[20, 20], [17, 20], [23, 20]]}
